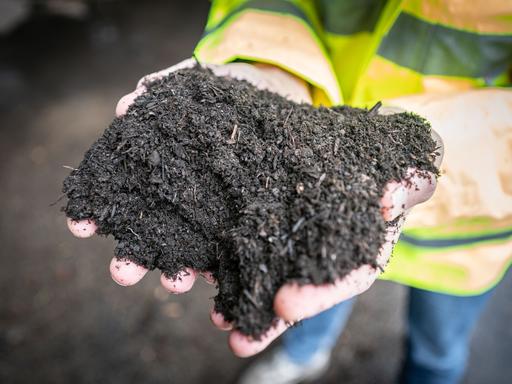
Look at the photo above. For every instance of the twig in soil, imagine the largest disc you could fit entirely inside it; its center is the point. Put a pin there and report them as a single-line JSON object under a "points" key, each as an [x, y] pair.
{"points": [[320, 179], [195, 201], [297, 225], [336, 145], [233, 135], [392, 139], [162, 162], [375, 109], [318, 183], [113, 211], [289, 247], [292, 139], [56, 201], [131, 230], [251, 299], [287, 117]]}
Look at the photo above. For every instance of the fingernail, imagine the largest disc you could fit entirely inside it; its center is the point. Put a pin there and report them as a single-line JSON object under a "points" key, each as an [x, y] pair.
{"points": [[82, 228], [181, 283], [208, 277], [124, 103], [219, 321], [126, 273]]}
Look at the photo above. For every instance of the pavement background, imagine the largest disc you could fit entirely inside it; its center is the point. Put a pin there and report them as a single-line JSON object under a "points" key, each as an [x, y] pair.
{"points": [[62, 319]]}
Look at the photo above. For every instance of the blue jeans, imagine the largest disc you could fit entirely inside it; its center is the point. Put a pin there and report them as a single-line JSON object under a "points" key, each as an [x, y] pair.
{"points": [[437, 345]]}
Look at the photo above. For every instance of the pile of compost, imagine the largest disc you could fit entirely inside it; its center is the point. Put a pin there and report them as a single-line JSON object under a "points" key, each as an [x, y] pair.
{"points": [[213, 174]]}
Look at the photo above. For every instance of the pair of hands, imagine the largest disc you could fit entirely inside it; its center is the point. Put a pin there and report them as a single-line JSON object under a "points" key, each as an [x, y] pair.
{"points": [[292, 302]]}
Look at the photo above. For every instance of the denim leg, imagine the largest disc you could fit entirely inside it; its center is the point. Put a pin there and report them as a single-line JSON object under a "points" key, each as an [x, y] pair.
{"points": [[440, 329], [317, 333]]}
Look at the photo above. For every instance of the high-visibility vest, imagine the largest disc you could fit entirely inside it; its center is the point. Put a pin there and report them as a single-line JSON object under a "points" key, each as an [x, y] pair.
{"points": [[358, 52]]}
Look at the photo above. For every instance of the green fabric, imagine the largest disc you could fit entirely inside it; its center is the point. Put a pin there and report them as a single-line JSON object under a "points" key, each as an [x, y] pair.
{"points": [[471, 228], [433, 49], [224, 12], [276, 6], [455, 242], [409, 267], [350, 16], [413, 43]]}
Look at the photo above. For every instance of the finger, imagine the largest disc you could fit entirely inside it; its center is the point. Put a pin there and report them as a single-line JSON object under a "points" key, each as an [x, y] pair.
{"points": [[124, 103], [269, 77], [82, 228], [420, 188], [387, 110], [125, 272], [392, 235], [393, 201], [241, 71], [294, 302], [182, 283], [417, 187], [127, 100], [219, 321], [439, 148], [245, 346], [187, 63], [209, 278]]}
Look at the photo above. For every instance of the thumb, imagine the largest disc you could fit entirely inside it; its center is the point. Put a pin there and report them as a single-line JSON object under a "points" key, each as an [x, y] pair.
{"points": [[417, 187]]}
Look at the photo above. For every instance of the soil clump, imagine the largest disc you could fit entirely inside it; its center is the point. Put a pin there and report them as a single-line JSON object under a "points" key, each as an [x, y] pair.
{"points": [[214, 174]]}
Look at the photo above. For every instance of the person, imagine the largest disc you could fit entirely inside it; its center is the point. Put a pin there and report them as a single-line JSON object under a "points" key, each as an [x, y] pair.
{"points": [[445, 60]]}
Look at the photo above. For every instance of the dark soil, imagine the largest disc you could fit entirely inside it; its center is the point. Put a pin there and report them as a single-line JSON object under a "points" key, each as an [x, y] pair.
{"points": [[213, 174]]}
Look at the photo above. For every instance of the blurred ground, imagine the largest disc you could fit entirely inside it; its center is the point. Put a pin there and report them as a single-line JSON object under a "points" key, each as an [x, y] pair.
{"points": [[62, 319]]}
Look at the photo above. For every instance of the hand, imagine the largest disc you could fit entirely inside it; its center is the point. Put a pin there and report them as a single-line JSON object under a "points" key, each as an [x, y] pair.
{"points": [[127, 273], [292, 302]]}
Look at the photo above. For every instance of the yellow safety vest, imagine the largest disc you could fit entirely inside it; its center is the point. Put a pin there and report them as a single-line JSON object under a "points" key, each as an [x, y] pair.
{"points": [[358, 52]]}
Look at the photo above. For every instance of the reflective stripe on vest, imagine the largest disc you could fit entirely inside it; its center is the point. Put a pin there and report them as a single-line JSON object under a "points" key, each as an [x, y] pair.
{"points": [[349, 17], [454, 242], [433, 49]]}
